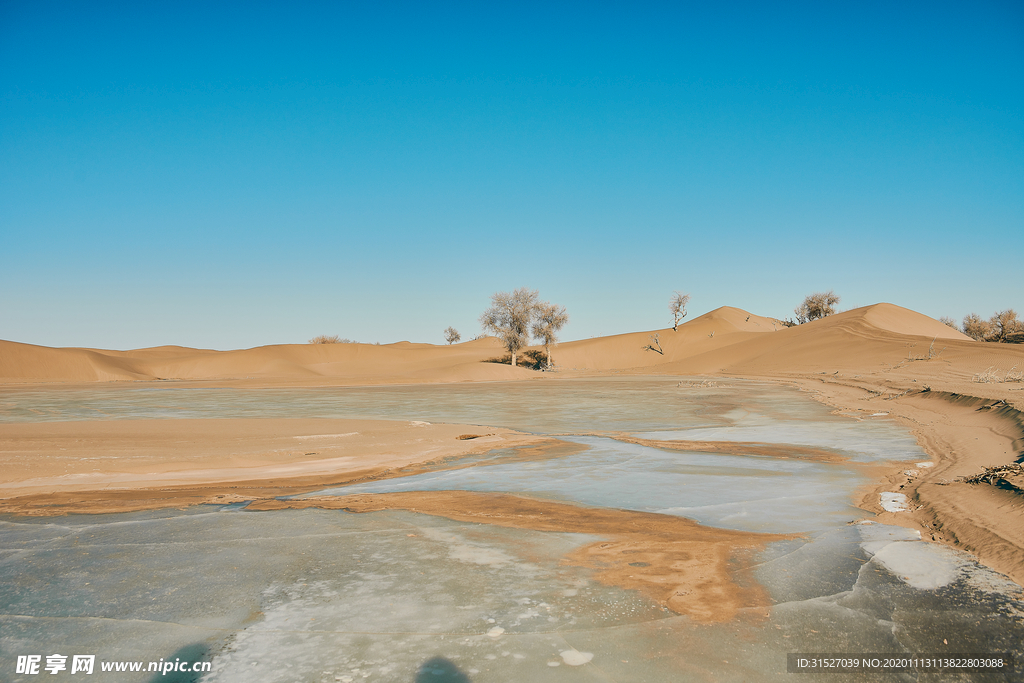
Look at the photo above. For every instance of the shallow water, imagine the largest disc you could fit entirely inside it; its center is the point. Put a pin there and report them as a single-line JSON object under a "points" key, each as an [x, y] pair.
{"points": [[731, 491], [319, 595]]}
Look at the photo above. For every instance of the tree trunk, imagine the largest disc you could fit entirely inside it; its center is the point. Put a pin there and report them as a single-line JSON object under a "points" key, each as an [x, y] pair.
{"points": [[513, 359], [547, 352]]}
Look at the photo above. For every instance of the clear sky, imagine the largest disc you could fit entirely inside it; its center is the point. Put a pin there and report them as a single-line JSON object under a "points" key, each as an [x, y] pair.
{"points": [[229, 175]]}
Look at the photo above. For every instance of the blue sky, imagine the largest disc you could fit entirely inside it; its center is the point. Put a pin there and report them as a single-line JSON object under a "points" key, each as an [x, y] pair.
{"points": [[233, 175]]}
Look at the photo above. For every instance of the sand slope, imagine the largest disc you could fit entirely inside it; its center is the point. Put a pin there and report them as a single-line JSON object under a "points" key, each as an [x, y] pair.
{"points": [[348, 363], [726, 340]]}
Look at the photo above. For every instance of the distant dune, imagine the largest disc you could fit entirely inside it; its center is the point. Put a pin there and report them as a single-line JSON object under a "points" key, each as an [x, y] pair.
{"points": [[726, 340]]}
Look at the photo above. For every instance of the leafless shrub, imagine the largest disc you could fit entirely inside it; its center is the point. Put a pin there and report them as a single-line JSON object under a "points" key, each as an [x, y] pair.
{"points": [[976, 328], [330, 339], [1004, 324], [932, 353], [677, 305], [991, 375], [1014, 375], [655, 345], [949, 322], [817, 305], [996, 476], [451, 335]]}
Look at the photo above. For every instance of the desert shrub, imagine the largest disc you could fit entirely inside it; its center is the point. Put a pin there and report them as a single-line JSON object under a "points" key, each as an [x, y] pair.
{"points": [[1004, 324], [976, 328], [949, 322], [677, 307], [326, 339], [816, 306], [451, 335], [992, 375], [989, 375]]}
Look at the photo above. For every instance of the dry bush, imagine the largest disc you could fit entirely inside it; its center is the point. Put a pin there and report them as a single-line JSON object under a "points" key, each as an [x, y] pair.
{"points": [[1004, 327], [1000, 476], [330, 339], [949, 322], [976, 328], [816, 306], [991, 375], [451, 335], [1004, 324], [677, 306]]}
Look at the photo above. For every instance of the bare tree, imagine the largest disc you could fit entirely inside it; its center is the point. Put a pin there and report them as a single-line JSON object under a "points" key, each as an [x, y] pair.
{"points": [[677, 305], [451, 335], [549, 319], [1003, 324], [655, 344], [817, 305], [976, 328], [949, 322], [509, 318]]}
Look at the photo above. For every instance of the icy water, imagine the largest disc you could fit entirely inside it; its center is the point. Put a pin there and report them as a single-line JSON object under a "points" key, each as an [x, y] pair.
{"points": [[318, 595]]}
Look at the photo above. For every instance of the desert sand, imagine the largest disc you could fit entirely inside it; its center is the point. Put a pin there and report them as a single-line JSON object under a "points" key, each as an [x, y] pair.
{"points": [[877, 359]]}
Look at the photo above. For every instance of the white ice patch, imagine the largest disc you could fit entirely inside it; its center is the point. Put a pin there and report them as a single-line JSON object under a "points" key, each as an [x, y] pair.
{"points": [[901, 551], [925, 464], [922, 565], [575, 657], [874, 537], [879, 414], [893, 502], [419, 423]]}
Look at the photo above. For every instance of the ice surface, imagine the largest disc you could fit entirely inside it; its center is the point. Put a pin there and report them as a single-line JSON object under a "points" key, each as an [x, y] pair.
{"points": [[325, 596], [738, 492]]}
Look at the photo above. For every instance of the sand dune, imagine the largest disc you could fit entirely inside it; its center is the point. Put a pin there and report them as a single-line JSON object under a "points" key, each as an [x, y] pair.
{"points": [[727, 340], [348, 363]]}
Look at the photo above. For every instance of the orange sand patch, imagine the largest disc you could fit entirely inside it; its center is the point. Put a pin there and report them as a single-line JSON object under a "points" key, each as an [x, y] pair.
{"points": [[683, 565]]}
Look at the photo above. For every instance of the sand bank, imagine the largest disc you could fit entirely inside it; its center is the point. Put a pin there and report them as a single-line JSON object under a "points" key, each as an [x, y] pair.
{"points": [[125, 458], [683, 565]]}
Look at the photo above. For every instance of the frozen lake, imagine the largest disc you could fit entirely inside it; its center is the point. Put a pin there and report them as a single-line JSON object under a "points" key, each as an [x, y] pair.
{"points": [[326, 595]]}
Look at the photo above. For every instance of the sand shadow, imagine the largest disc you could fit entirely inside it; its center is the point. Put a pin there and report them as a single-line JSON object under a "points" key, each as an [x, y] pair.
{"points": [[196, 652], [440, 670]]}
